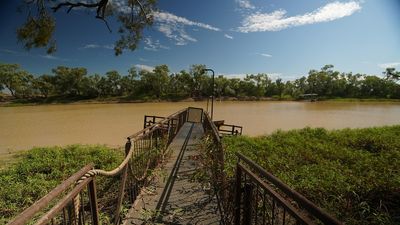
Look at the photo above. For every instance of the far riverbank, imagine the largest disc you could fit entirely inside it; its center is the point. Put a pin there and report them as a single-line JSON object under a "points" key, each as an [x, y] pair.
{"points": [[7, 101]]}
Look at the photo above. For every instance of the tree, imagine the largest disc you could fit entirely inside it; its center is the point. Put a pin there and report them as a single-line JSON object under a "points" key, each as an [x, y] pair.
{"points": [[133, 16], [44, 84], [161, 79], [113, 82], [392, 74], [68, 80], [89, 86], [280, 86], [129, 83], [373, 86], [17, 81], [201, 83]]}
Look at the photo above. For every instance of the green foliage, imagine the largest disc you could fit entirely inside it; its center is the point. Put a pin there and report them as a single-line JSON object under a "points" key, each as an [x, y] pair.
{"points": [[71, 84], [352, 173], [38, 32], [39, 170], [39, 27], [17, 81], [67, 80]]}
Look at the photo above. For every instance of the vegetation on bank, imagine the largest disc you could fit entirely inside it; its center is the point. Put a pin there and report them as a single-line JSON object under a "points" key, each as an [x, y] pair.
{"points": [[67, 84], [352, 173], [39, 170]]}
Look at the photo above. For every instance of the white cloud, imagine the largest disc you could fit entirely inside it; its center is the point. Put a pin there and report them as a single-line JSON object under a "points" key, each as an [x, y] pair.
{"points": [[9, 51], [52, 57], [25, 54], [389, 65], [144, 67], [16, 53], [173, 27], [245, 4], [121, 6], [49, 57], [264, 54], [228, 36], [278, 20], [165, 17], [235, 75], [92, 46], [241, 76], [153, 45]]}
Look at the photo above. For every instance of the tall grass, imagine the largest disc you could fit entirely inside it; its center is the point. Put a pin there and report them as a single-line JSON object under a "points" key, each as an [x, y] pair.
{"points": [[39, 170], [352, 173]]}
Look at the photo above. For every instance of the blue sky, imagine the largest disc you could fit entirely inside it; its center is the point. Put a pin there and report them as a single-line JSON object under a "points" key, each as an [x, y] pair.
{"points": [[284, 38]]}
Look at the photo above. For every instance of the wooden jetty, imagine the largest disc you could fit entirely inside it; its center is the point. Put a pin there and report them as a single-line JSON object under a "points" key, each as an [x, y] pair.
{"points": [[157, 183]]}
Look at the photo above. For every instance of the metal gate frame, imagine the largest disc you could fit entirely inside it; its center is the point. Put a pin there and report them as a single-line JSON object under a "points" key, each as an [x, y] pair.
{"points": [[190, 112]]}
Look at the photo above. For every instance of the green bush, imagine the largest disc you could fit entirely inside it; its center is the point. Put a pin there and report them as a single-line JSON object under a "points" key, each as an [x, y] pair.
{"points": [[352, 173]]}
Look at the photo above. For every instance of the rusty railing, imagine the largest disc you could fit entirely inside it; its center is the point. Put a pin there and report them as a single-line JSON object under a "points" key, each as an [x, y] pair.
{"points": [[77, 200], [255, 196], [151, 120], [261, 198], [228, 129]]}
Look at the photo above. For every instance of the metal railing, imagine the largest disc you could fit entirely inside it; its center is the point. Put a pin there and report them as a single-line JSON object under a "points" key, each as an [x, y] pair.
{"points": [[255, 196], [76, 200], [228, 129], [151, 120], [261, 198]]}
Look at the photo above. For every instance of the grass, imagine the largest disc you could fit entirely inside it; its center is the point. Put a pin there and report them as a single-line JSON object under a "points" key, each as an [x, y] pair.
{"points": [[39, 170], [353, 173]]}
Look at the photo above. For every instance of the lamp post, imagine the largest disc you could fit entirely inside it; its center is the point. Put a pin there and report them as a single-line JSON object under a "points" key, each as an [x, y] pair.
{"points": [[212, 96]]}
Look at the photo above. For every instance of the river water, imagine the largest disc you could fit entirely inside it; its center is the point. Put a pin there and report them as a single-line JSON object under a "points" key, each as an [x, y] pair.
{"points": [[49, 125]]}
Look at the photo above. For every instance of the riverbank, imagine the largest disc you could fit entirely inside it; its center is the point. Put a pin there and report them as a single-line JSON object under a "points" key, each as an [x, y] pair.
{"points": [[37, 171], [352, 173], [10, 102]]}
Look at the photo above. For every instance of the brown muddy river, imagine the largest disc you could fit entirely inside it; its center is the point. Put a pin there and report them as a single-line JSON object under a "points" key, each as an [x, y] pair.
{"points": [[28, 126]]}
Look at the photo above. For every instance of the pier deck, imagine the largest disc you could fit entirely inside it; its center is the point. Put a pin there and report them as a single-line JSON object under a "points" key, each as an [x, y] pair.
{"points": [[174, 196]]}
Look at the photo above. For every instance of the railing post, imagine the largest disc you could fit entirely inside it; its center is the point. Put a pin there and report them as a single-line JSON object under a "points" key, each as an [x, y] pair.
{"points": [[122, 186], [93, 202], [238, 194], [248, 198]]}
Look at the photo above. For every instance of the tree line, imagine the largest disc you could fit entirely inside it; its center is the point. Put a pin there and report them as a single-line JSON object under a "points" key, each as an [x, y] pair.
{"points": [[160, 83]]}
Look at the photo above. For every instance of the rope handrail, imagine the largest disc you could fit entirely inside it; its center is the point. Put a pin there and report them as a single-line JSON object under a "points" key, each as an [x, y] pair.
{"points": [[135, 136], [163, 130]]}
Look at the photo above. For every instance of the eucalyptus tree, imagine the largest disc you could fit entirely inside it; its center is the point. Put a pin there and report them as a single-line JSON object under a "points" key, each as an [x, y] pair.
{"points": [[40, 25], [68, 80], [17, 81], [392, 74], [114, 83], [129, 83], [44, 84]]}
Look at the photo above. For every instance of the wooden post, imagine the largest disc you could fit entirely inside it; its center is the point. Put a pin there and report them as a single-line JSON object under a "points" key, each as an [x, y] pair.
{"points": [[93, 202], [238, 194], [247, 209], [121, 192]]}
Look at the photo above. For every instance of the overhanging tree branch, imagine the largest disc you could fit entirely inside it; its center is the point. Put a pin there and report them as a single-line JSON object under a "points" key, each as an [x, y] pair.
{"points": [[39, 28]]}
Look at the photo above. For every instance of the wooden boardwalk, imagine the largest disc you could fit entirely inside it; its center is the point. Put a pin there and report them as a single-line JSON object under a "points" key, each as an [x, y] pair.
{"points": [[174, 197]]}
